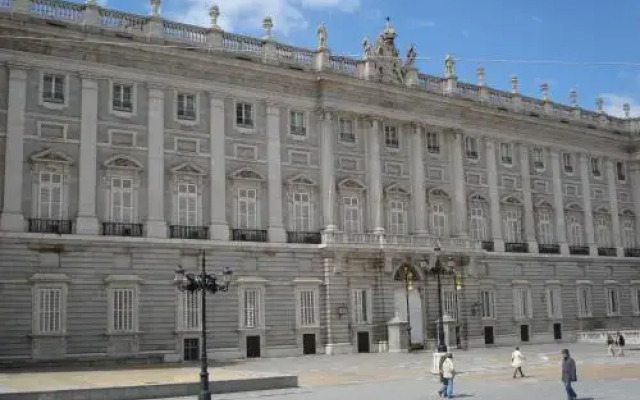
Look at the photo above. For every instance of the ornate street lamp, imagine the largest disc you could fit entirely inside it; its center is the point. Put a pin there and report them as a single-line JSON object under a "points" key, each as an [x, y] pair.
{"points": [[203, 283], [438, 270], [407, 276]]}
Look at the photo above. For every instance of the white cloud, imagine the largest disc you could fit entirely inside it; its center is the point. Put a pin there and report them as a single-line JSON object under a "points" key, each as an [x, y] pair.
{"points": [[613, 104], [235, 15]]}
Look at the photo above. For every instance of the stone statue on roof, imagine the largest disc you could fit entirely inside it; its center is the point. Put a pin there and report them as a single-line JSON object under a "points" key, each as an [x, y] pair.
{"points": [[321, 36], [410, 59], [366, 48]]}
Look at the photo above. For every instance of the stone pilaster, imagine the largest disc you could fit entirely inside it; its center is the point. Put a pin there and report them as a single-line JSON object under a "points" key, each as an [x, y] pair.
{"points": [[634, 175], [12, 218], [274, 178], [337, 299], [529, 220], [327, 169], [418, 194], [156, 225], [219, 228], [585, 173], [558, 204], [374, 173], [494, 196], [87, 221], [613, 206], [459, 187]]}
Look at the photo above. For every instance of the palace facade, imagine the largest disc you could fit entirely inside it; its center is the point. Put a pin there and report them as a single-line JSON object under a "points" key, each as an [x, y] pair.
{"points": [[134, 144]]}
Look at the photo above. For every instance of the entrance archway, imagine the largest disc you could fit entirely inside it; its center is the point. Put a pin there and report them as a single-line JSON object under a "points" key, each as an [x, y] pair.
{"points": [[416, 314]]}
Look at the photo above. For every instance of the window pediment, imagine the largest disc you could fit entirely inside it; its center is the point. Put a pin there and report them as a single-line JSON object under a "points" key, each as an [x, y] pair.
{"points": [[396, 190], [544, 204], [574, 207], [50, 156], [478, 197], [513, 200], [247, 174], [123, 162], [627, 213], [438, 192], [351, 184], [601, 210], [302, 180], [188, 168]]}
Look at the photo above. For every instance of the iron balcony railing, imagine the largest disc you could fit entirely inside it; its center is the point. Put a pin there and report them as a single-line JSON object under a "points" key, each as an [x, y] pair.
{"points": [[121, 229], [579, 250], [188, 232], [631, 252], [516, 248], [304, 237], [249, 235], [58, 226], [488, 245], [607, 251], [547, 248]]}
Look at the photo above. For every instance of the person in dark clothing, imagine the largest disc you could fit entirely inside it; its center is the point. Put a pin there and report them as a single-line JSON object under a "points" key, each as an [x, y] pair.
{"points": [[569, 374], [610, 349], [620, 340]]}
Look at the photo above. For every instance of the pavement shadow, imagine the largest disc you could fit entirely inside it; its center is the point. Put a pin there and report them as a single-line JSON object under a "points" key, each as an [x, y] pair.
{"points": [[585, 398], [464, 396]]}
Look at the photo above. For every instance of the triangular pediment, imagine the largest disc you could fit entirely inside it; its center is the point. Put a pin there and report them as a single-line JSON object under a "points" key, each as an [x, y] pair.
{"points": [[352, 184], [438, 192], [511, 200], [123, 162], [574, 207], [478, 197], [188, 168], [601, 210], [396, 188], [247, 173], [51, 156], [301, 179], [627, 213], [544, 203]]}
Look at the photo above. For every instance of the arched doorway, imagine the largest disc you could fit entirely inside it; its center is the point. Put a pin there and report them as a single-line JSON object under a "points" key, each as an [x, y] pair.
{"points": [[410, 294]]}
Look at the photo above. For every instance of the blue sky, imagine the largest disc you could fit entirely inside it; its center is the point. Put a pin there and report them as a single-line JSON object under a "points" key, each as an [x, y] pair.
{"points": [[571, 34]]}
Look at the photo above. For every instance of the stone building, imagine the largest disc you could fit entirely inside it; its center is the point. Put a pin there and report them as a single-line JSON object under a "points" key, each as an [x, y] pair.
{"points": [[133, 144]]}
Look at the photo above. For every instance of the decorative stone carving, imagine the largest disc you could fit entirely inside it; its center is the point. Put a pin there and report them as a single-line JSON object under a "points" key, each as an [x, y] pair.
{"points": [[267, 26], [123, 162], [514, 84], [246, 173], [449, 67], [51, 157], [351, 184], [544, 89], [214, 14], [155, 7], [480, 75], [321, 37], [366, 48], [410, 59], [626, 108], [301, 179], [600, 105], [573, 98], [385, 65]]}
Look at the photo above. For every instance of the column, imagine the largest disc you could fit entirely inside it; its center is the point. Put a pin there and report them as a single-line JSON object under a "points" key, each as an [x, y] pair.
{"points": [[87, 221], [274, 177], [219, 228], [634, 175], [459, 187], [418, 195], [529, 222], [375, 176], [327, 170], [494, 195], [613, 205], [11, 218], [156, 225], [585, 173], [558, 204]]}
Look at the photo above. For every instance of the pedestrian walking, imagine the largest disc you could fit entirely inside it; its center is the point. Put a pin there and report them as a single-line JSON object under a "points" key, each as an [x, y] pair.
{"points": [[569, 374], [620, 342], [448, 372], [517, 359], [610, 350]]}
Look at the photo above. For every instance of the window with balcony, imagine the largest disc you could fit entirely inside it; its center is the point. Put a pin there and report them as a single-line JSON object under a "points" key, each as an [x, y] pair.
{"points": [[512, 220], [584, 302], [346, 134], [53, 88], [603, 230], [302, 215], [352, 216], [506, 154], [51, 195], [621, 171], [554, 302], [487, 304], [122, 207], [123, 97], [397, 217], [613, 301], [477, 220], [391, 137], [635, 300], [186, 106], [522, 303], [433, 142], [545, 225], [361, 306], [297, 123], [439, 219], [247, 208], [538, 158], [245, 115], [628, 223], [596, 167], [471, 148], [49, 309], [567, 163], [574, 228]]}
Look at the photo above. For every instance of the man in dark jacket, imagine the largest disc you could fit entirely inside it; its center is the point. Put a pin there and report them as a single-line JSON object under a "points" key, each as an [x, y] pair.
{"points": [[569, 374]]}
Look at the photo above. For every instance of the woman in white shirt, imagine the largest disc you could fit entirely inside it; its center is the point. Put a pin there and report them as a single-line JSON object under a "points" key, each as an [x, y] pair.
{"points": [[517, 359]]}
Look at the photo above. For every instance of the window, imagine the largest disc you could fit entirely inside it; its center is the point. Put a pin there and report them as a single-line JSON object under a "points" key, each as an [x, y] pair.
{"points": [[567, 163], [397, 217], [545, 226], [522, 303], [361, 306], [307, 305], [635, 300], [297, 123], [439, 219], [122, 200], [613, 301], [449, 303], [391, 139], [433, 142], [603, 233], [574, 224], [471, 147], [596, 167], [512, 225], [538, 158], [477, 224], [190, 314], [53, 88], [186, 107], [346, 131], [49, 310], [621, 171], [187, 204], [351, 209], [50, 195], [252, 302], [554, 302], [244, 115], [123, 310], [487, 303], [301, 212], [584, 302], [506, 153], [122, 97], [247, 208], [628, 232]]}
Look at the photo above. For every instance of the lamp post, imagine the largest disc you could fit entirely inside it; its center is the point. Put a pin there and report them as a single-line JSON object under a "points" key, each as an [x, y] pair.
{"points": [[437, 269], [203, 283], [407, 277]]}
